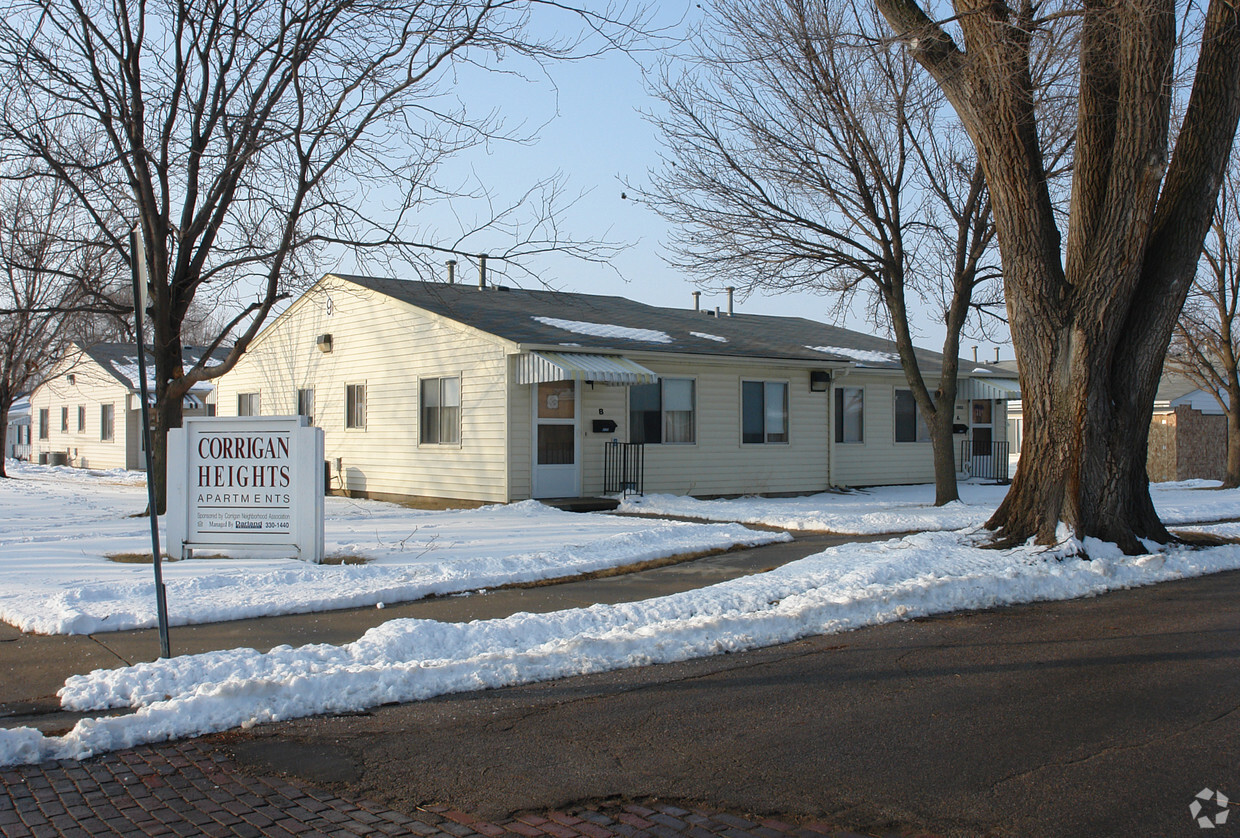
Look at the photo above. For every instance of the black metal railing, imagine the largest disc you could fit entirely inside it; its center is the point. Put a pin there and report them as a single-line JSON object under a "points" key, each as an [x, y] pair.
{"points": [[984, 460], [624, 468]]}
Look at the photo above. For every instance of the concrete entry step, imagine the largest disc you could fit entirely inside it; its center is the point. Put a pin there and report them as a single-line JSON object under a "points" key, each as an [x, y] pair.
{"points": [[595, 504]]}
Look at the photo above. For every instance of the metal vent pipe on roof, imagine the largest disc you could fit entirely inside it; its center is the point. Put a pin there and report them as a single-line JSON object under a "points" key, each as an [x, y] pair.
{"points": [[697, 300], [451, 263], [730, 291], [975, 354], [482, 271]]}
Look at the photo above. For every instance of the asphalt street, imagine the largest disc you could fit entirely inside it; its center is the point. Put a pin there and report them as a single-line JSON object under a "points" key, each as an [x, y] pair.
{"points": [[1102, 716], [1095, 717]]}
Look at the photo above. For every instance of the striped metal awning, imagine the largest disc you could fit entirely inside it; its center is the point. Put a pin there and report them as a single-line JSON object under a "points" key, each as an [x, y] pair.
{"points": [[1007, 389], [536, 367]]}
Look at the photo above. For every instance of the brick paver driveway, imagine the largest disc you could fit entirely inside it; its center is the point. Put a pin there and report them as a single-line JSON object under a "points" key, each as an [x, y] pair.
{"points": [[185, 789]]}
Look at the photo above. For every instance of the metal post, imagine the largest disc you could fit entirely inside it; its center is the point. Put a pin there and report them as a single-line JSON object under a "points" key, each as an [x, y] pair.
{"points": [[138, 256]]}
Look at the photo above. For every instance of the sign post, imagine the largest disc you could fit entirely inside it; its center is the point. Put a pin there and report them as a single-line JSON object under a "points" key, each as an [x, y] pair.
{"points": [[252, 483], [137, 254]]}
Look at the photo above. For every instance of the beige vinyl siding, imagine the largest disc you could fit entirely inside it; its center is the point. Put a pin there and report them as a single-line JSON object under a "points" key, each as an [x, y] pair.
{"points": [[717, 462], [386, 346], [612, 401], [520, 435], [93, 387], [879, 460]]}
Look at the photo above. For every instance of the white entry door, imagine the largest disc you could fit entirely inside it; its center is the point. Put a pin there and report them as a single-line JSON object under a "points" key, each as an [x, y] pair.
{"points": [[983, 435], [557, 443]]}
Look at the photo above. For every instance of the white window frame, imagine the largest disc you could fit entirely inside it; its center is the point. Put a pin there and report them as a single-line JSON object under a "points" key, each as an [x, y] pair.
{"points": [[921, 431], [45, 421], [663, 412], [433, 420], [107, 422], [81, 426], [252, 404], [766, 428], [838, 408], [305, 403], [355, 407], [64, 419]]}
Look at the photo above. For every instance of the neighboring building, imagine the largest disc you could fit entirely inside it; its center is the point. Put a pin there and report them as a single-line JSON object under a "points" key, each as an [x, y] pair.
{"points": [[434, 390], [88, 413], [17, 434], [1188, 432]]}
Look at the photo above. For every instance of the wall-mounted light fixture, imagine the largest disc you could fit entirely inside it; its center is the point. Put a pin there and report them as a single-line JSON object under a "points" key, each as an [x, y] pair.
{"points": [[324, 343], [819, 381]]}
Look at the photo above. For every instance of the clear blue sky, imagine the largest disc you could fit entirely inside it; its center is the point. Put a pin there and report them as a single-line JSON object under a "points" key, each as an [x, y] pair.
{"points": [[588, 120]]}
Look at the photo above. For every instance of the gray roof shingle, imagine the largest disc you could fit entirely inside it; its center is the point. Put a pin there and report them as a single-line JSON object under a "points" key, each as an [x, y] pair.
{"points": [[121, 361], [522, 316]]}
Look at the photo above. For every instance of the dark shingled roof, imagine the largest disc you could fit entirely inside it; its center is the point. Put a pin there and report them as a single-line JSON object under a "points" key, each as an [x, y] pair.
{"points": [[121, 360], [512, 313]]}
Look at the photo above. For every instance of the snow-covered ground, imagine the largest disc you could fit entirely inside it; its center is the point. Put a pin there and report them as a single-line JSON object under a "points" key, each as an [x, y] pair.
{"points": [[897, 509], [839, 589], [58, 526]]}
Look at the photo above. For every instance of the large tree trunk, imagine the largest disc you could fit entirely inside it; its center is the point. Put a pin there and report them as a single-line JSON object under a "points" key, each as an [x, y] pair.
{"points": [[1083, 455], [1090, 333]]}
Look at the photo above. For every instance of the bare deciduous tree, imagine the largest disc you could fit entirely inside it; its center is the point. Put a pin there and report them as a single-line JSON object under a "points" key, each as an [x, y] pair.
{"points": [[50, 285], [243, 137], [1091, 314], [1206, 343], [805, 153]]}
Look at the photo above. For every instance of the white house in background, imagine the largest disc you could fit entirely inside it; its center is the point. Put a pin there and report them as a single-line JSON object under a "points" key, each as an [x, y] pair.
{"points": [[88, 413], [437, 390], [17, 433], [1203, 401]]}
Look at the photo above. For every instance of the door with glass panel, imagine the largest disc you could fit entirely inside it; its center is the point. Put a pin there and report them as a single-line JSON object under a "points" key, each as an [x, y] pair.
{"points": [[982, 435], [557, 443]]}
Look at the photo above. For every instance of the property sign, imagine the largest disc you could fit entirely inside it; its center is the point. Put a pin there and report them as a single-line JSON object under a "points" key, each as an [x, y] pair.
{"points": [[246, 483]]}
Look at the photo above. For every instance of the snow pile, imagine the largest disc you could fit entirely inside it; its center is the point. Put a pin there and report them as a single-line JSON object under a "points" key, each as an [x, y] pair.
{"points": [[886, 509], [896, 509], [58, 525], [403, 660]]}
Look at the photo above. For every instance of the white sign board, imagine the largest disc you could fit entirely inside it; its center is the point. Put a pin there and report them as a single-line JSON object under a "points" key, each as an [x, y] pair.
{"points": [[246, 482]]}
